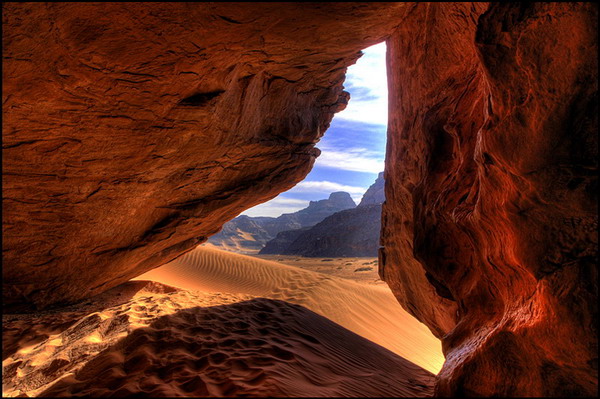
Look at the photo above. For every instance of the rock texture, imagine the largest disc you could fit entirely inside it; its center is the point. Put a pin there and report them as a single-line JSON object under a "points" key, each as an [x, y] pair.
{"points": [[490, 221], [250, 234], [352, 232], [131, 132]]}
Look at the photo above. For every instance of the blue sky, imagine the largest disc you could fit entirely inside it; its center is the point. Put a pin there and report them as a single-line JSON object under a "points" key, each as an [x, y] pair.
{"points": [[352, 149]]}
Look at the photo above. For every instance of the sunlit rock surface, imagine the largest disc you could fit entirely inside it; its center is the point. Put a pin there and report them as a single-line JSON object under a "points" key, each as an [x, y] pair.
{"points": [[491, 184], [131, 132]]}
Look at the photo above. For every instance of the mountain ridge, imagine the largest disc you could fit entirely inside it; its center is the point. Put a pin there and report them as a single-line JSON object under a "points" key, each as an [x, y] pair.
{"points": [[247, 234], [347, 233]]}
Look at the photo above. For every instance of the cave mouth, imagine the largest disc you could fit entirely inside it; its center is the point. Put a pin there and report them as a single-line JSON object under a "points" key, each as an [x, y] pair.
{"points": [[329, 223]]}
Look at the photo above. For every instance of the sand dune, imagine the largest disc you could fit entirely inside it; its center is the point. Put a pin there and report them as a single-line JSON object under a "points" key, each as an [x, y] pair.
{"points": [[147, 339], [369, 311], [222, 324]]}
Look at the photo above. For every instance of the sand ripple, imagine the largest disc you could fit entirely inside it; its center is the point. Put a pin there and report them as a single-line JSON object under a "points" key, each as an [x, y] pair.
{"points": [[220, 324], [370, 311]]}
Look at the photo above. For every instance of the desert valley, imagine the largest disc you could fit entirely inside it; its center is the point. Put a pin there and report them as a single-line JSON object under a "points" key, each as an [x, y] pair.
{"points": [[291, 199]]}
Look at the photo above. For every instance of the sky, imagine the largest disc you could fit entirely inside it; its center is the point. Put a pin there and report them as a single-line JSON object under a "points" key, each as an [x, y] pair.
{"points": [[352, 149]]}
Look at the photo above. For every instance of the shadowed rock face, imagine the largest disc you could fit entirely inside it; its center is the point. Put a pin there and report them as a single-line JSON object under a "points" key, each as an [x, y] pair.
{"points": [[375, 194], [351, 232], [131, 132], [282, 241], [491, 184]]}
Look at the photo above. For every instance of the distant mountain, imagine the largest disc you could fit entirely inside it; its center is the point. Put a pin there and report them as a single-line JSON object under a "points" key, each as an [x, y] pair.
{"points": [[353, 232], [247, 234], [348, 233], [282, 241], [376, 193], [242, 234]]}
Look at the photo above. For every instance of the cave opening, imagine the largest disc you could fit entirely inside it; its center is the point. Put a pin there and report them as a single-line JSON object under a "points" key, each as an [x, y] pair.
{"points": [[330, 222]]}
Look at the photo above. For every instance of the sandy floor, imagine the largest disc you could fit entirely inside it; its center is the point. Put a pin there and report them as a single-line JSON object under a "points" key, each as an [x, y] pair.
{"points": [[362, 270], [223, 325]]}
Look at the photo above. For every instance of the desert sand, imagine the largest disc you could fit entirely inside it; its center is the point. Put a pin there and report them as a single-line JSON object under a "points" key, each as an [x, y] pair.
{"points": [[213, 323], [360, 269], [369, 311]]}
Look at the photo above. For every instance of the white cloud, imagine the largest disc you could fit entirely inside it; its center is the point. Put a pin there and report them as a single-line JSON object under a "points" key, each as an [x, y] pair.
{"points": [[368, 78], [320, 189], [351, 159], [325, 187], [289, 201], [276, 207]]}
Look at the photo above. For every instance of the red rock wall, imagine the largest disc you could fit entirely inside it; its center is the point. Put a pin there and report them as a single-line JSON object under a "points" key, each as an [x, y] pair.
{"points": [[490, 224], [133, 131]]}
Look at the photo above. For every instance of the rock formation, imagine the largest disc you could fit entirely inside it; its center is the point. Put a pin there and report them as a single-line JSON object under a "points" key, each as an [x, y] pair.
{"points": [[352, 232], [375, 194], [319, 210], [247, 234], [243, 234], [131, 132], [490, 221]]}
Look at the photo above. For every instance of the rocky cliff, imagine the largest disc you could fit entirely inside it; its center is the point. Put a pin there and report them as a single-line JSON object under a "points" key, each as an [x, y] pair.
{"points": [[490, 221], [248, 235], [131, 132], [353, 232], [282, 241], [375, 194]]}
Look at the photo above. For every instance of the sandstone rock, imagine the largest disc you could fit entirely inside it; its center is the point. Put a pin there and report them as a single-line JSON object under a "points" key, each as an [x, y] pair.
{"points": [[491, 184], [131, 132]]}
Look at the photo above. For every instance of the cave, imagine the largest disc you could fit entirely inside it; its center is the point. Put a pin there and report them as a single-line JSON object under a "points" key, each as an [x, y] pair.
{"points": [[132, 132]]}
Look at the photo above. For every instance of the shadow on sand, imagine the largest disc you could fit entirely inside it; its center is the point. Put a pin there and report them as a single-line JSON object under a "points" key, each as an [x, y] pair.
{"points": [[257, 347]]}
